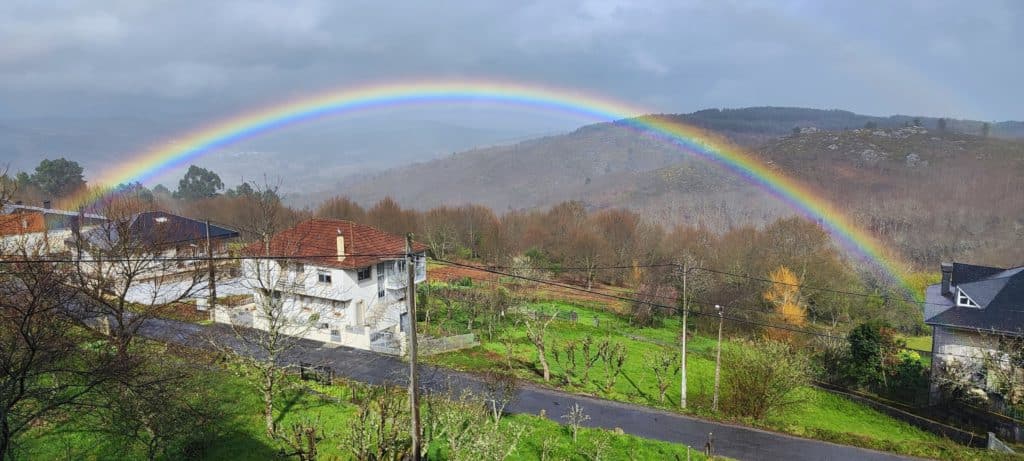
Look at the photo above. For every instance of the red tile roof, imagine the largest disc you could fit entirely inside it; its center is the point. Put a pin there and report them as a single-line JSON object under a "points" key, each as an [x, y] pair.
{"points": [[22, 223], [315, 241]]}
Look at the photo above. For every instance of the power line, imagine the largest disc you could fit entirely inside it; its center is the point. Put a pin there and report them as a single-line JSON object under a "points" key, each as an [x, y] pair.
{"points": [[731, 274], [453, 263], [676, 309], [622, 298], [677, 298], [4, 260]]}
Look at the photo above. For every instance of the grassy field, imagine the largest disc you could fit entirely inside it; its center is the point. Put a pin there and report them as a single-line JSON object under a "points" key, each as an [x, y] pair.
{"points": [[820, 415], [921, 343], [240, 433]]}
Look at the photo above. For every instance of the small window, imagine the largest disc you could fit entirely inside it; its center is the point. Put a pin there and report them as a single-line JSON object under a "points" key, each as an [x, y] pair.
{"points": [[324, 326], [363, 274], [323, 277], [963, 300]]}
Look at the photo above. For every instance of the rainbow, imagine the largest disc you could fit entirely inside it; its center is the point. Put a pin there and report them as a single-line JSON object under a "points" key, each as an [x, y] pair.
{"points": [[179, 151]]}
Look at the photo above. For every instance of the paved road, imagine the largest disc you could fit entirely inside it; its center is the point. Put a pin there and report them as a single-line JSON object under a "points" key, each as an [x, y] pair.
{"points": [[738, 442]]}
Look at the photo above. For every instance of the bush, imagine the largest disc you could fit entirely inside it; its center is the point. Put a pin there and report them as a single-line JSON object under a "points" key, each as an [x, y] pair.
{"points": [[908, 381], [832, 361], [761, 377], [873, 350]]}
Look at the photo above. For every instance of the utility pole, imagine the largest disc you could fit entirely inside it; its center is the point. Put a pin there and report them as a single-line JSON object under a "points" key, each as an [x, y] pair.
{"points": [[718, 360], [212, 304], [682, 367], [410, 301]]}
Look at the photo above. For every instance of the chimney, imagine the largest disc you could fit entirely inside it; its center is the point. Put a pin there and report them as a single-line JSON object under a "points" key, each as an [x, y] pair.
{"points": [[46, 204], [341, 246], [947, 278]]}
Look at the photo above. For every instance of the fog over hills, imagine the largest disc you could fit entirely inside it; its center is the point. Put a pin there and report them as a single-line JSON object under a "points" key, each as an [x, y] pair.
{"points": [[308, 156]]}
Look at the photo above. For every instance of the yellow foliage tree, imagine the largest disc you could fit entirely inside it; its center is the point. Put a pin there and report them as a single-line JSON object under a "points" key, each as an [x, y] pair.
{"points": [[784, 294]]}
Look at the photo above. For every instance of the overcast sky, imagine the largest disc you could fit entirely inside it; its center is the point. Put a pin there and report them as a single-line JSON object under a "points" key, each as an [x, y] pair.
{"points": [[960, 59]]}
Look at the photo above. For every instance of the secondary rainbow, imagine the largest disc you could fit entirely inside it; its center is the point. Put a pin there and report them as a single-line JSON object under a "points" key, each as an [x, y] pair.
{"points": [[178, 151]]}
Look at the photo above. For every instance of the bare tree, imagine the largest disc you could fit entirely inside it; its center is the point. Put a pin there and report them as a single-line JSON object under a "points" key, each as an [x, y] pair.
{"points": [[130, 271], [499, 390], [536, 331], [266, 332], [378, 431], [570, 363], [592, 352], [463, 425], [43, 369], [614, 358], [302, 439], [664, 366], [586, 249], [575, 419], [155, 406]]}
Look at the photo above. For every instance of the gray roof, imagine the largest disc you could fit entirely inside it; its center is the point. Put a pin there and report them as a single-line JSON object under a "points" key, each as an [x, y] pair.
{"points": [[8, 209], [157, 228], [999, 293]]}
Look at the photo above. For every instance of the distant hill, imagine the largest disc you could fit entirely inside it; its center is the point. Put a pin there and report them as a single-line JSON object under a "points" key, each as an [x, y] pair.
{"points": [[754, 122], [306, 157], [932, 195]]}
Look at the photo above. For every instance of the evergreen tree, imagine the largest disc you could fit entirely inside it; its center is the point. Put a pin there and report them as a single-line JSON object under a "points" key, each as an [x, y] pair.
{"points": [[58, 178], [198, 183]]}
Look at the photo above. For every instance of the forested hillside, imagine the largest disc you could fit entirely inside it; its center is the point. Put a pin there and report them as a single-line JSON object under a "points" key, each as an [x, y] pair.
{"points": [[933, 195]]}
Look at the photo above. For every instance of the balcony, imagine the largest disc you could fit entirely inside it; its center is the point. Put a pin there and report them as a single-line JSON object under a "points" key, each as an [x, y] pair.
{"points": [[290, 286]]}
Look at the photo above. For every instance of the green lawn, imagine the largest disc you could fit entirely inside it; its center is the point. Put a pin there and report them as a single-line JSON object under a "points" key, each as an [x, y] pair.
{"points": [[821, 415], [921, 343], [240, 434]]}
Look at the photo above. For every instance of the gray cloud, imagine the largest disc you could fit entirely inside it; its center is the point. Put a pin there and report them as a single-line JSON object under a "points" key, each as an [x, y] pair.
{"points": [[918, 57]]}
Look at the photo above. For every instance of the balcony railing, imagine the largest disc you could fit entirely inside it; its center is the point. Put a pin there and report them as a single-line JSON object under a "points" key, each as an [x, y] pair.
{"points": [[290, 286]]}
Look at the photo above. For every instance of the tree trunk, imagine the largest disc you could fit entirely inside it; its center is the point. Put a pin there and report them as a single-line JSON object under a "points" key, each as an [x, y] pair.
{"points": [[543, 362], [5, 437], [268, 403]]}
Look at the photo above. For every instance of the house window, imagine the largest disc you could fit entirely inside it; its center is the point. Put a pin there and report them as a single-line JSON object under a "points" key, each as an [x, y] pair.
{"points": [[323, 277], [962, 300], [400, 266], [363, 274], [380, 280]]}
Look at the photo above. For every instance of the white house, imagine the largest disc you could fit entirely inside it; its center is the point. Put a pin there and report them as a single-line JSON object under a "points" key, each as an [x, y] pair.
{"points": [[976, 313], [337, 281], [41, 230], [158, 255]]}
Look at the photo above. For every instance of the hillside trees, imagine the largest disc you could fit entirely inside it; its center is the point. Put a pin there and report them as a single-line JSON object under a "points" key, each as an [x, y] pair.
{"points": [[587, 250], [388, 216], [341, 208]]}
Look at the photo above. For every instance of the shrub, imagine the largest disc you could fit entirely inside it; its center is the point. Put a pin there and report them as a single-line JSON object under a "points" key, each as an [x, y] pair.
{"points": [[909, 379], [873, 350], [761, 377]]}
